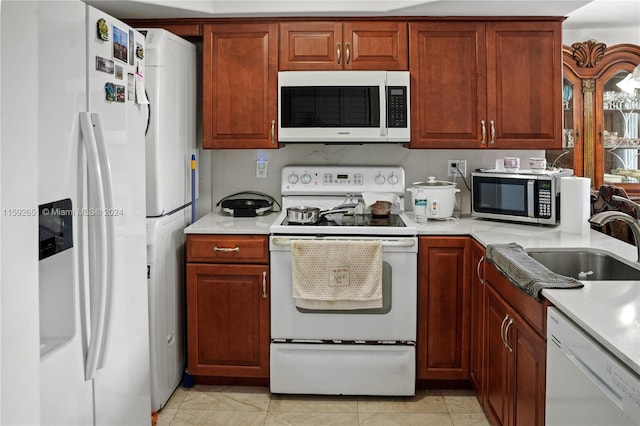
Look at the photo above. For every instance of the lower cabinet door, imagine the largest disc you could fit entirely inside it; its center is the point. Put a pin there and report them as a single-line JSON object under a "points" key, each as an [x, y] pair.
{"points": [[515, 366], [529, 374], [228, 320], [476, 351], [497, 359], [443, 308]]}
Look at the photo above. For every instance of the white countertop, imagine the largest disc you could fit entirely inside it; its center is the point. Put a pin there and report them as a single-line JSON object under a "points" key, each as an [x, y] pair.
{"points": [[221, 223], [607, 310]]}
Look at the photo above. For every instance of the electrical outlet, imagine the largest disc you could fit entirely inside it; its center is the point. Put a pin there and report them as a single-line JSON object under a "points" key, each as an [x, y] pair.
{"points": [[261, 169], [457, 168]]}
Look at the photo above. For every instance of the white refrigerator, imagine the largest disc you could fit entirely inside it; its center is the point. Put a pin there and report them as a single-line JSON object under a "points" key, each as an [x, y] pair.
{"points": [[170, 143], [93, 296]]}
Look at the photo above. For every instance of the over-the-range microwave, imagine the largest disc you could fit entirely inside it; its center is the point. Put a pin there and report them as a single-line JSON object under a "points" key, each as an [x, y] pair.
{"points": [[521, 196], [343, 106]]}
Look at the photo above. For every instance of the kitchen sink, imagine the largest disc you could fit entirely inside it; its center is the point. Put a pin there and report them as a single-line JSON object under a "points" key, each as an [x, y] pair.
{"points": [[586, 264]]}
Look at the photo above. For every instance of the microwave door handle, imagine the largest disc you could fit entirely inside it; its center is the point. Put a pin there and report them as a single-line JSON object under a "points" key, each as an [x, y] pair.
{"points": [[383, 109], [531, 186]]}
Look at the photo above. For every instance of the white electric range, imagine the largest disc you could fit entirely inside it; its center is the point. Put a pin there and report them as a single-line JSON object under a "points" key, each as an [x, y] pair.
{"points": [[355, 351]]}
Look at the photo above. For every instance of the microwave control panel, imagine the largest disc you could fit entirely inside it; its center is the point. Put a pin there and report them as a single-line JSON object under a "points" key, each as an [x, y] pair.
{"points": [[544, 198], [397, 106]]}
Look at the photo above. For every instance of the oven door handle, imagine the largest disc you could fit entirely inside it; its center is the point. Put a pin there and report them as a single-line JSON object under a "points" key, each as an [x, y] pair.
{"points": [[406, 242]]}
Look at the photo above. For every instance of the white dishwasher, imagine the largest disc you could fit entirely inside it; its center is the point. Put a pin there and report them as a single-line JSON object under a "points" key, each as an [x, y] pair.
{"points": [[586, 385]]}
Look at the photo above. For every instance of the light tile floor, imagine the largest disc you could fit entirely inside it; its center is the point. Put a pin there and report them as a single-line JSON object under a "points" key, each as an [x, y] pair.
{"points": [[237, 405]]}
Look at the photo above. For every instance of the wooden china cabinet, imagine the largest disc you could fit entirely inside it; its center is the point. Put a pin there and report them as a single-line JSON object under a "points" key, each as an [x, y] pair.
{"points": [[601, 138]]}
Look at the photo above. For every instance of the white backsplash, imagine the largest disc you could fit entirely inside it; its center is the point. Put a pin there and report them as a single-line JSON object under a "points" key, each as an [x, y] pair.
{"points": [[234, 170]]}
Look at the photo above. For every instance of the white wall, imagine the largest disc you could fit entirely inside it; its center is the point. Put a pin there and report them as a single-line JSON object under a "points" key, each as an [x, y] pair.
{"points": [[607, 21], [19, 333], [627, 34]]}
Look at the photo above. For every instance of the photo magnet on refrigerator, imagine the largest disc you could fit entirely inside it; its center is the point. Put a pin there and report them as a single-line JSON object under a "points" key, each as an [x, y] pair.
{"points": [[103, 29]]}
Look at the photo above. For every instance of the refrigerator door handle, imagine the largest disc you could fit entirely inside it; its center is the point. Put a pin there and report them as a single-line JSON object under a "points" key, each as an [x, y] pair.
{"points": [[106, 214], [98, 169]]}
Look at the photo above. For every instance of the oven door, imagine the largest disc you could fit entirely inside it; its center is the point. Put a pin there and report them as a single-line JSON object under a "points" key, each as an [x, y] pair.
{"points": [[394, 322]]}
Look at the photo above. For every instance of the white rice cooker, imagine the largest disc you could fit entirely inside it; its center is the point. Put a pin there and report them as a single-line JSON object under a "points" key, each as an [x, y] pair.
{"points": [[441, 197]]}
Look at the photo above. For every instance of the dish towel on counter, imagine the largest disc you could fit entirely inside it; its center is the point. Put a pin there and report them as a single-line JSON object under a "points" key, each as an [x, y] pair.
{"points": [[336, 274], [525, 272]]}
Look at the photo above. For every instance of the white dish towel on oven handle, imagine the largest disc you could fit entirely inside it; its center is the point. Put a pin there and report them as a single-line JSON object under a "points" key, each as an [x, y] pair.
{"points": [[336, 274]]}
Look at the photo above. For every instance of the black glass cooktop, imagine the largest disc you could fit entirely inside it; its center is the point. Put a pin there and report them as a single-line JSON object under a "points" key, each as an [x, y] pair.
{"points": [[393, 220]]}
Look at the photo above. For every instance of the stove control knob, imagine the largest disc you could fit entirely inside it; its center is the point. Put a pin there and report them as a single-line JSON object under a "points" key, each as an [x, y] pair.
{"points": [[379, 179], [305, 178], [392, 178], [293, 178]]}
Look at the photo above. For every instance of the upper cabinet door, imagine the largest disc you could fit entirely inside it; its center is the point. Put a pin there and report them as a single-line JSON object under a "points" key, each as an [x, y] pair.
{"points": [[376, 46], [311, 46], [448, 85], [240, 85], [357, 45], [486, 85], [524, 85]]}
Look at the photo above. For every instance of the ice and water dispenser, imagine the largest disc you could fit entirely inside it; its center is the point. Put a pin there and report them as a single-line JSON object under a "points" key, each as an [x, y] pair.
{"points": [[57, 278]]}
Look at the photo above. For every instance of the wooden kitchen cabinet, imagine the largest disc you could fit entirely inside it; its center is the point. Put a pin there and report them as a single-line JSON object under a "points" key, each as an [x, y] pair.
{"points": [[443, 308], [240, 79], [188, 28], [476, 352], [343, 45], [493, 84], [601, 130], [228, 306], [515, 360]]}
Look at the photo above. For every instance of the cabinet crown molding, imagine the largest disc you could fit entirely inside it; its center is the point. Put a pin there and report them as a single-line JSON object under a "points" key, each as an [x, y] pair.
{"points": [[588, 53]]}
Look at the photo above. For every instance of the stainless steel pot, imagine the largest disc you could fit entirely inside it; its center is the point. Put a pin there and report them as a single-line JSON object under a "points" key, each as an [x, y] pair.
{"points": [[303, 215]]}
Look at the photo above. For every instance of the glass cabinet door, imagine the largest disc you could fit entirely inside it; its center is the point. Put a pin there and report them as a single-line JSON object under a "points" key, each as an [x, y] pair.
{"points": [[621, 141], [569, 157]]}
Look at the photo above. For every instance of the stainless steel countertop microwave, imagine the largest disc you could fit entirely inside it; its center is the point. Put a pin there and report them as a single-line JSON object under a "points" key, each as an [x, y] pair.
{"points": [[344, 107], [520, 196]]}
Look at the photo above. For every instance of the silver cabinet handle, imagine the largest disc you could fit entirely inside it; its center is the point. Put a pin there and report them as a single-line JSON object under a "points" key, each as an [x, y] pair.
{"points": [[226, 249], [484, 132], [502, 330], [264, 284], [348, 46], [478, 270], [339, 51], [273, 132], [506, 334], [493, 132]]}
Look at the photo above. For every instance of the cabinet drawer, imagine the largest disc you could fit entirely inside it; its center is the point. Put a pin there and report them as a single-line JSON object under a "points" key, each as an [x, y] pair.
{"points": [[228, 248]]}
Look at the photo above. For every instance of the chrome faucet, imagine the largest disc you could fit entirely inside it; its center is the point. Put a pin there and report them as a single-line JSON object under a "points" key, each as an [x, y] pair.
{"points": [[602, 218]]}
